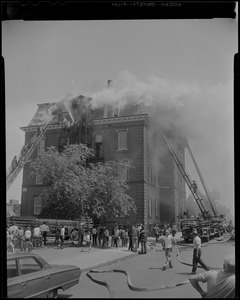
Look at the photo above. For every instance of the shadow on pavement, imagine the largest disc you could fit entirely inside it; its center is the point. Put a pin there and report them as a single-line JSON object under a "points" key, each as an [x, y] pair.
{"points": [[64, 296], [184, 273]]}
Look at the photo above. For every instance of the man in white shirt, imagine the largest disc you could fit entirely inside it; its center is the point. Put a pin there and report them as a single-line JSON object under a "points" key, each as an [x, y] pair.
{"points": [[28, 234], [37, 236], [44, 229], [169, 241], [220, 284], [197, 253], [14, 230], [62, 235]]}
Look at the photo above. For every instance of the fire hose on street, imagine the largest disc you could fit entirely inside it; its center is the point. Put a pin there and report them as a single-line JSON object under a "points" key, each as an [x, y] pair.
{"points": [[133, 288], [129, 282]]}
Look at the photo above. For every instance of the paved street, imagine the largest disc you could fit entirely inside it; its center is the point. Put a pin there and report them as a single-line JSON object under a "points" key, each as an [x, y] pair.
{"points": [[144, 270]]}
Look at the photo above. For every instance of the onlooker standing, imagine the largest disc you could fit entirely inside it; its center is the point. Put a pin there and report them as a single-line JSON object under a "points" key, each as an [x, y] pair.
{"points": [[94, 235], [134, 238], [13, 230], [62, 236], [124, 238], [103, 237], [44, 229], [88, 240], [57, 237], [197, 253], [10, 240], [130, 246], [121, 236], [139, 227], [21, 237], [143, 240], [174, 229], [28, 234], [100, 236], [220, 284], [116, 236], [165, 226], [112, 236], [168, 242], [37, 236], [156, 232], [74, 235], [81, 232], [106, 233]]}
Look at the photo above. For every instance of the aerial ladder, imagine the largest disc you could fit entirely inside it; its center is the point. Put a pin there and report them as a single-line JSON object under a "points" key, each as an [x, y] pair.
{"points": [[186, 177], [208, 195], [26, 152]]}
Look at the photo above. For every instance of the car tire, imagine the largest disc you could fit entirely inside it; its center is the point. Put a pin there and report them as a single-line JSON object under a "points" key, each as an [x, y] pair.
{"points": [[52, 294]]}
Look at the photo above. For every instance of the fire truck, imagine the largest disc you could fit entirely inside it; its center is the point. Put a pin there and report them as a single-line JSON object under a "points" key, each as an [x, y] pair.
{"points": [[208, 225], [53, 224]]}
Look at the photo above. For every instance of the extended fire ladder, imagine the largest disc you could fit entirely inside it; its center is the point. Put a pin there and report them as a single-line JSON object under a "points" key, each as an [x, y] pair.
{"points": [[208, 194], [188, 181], [26, 153]]}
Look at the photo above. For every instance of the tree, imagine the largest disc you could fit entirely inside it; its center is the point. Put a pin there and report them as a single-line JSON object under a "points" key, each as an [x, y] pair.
{"points": [[108, 189], [74, 189]]}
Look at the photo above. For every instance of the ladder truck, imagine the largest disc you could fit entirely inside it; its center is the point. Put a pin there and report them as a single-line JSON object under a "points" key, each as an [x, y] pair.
{"points": [[26, 152], [216, 223], [187, 225]]}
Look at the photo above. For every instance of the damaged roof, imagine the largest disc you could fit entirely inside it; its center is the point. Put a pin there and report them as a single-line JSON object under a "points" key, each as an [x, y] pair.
{"points": [[76, 107]]}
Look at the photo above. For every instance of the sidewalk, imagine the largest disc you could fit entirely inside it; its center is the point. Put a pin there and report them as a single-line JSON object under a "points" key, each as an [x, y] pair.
{"points": [[84, 259]]}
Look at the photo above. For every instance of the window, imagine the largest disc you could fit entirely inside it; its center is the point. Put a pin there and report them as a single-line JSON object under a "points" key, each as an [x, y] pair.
{"points": [[156, 207], [39, 179], [37, 205], [61, 143], [41, 147], [122, 140], [116, 111], [12, 270], [28, 265], [149, 205], [98, 145], [98, 138]]}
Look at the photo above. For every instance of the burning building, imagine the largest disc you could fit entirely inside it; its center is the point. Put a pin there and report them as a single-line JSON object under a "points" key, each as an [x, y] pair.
{"points": [[114, 132]]}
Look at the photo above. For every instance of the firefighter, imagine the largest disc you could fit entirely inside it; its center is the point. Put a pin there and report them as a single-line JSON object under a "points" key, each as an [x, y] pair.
{"points": [[14, 163], [194, 186]]}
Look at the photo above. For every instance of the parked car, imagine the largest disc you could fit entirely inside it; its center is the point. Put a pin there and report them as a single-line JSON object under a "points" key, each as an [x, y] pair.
{"points": [[30, 276]]}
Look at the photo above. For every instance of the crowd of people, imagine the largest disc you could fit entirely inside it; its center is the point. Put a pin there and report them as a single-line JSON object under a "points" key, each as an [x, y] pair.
{"points": [[17, 235], [101, 236], [220, 284]]}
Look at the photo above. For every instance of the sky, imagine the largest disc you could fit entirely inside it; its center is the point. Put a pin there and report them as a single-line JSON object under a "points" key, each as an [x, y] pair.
{"points": [[181, 69]]}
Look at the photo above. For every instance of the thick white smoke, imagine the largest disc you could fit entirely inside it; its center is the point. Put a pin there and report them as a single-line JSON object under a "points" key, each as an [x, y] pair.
{"points": [[201, 113]]}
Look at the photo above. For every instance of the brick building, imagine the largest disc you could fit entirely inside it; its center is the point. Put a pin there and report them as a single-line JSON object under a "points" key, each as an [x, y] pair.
{"points": [[155, 184]]}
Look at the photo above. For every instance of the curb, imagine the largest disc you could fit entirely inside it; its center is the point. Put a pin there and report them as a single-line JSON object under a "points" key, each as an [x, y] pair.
{"points": [[102, 264], [116, 260]]}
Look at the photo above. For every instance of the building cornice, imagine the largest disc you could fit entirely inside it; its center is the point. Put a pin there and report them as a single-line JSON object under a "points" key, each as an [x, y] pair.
{"points": [[35, 128], [142, 117], [122, 119]]}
